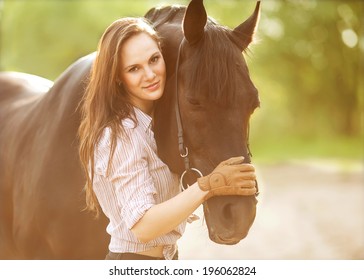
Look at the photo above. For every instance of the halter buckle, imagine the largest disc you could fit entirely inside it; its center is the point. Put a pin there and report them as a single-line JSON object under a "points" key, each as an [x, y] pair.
{"points": [[185, 153]]}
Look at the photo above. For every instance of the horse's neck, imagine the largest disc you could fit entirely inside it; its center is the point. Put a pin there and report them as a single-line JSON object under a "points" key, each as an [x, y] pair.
{"points": [[165, 129]]}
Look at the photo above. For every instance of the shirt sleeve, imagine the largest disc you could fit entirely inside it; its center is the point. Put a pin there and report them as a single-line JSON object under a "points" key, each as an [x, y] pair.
{"points": [[130, 177]]}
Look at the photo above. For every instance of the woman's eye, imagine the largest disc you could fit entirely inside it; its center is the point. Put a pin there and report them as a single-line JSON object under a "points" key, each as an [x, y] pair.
{"points": [[133, 69], [155, 59]]}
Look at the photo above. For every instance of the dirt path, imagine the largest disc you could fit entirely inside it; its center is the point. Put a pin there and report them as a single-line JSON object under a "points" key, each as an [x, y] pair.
{"points": [[306, 211]]}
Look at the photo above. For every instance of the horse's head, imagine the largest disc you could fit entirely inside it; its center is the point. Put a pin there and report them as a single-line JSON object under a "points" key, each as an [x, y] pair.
{"points": [[216, 98]]}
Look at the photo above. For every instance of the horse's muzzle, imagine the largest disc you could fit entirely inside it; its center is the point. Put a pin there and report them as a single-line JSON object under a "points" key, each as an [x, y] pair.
{"points": [[229, 218]]}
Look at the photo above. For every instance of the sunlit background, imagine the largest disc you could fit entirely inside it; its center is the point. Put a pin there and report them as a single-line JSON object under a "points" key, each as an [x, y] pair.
{"points": [[307, 137]]}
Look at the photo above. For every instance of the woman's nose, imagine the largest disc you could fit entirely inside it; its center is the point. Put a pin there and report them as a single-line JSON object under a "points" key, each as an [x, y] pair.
{"points": [[150, 74]]}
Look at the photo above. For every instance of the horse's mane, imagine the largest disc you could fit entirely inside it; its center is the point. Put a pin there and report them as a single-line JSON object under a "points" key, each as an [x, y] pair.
{"points": [[161, 15]]}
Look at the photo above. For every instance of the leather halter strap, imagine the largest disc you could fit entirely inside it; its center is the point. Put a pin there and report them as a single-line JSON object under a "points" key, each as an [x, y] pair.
{"points": [[183, 149]]}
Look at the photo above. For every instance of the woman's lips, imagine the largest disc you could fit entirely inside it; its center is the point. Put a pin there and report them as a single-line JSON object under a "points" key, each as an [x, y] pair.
{"points": [[153, 87]]}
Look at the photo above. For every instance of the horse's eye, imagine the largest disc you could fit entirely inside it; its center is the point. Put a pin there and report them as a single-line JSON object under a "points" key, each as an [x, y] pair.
{"points": [[195, 102]]}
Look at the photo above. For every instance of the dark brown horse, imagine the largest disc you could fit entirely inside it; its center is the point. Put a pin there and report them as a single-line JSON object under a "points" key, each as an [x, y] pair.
{"points": [[41, 179], [215, 97]]}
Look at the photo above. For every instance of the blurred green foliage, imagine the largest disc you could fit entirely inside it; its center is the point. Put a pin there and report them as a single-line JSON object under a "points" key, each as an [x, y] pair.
{"points": [[307, 62]]}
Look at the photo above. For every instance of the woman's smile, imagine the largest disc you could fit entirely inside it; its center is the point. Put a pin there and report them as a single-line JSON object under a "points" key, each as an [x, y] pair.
{"points": [[152, 87]]}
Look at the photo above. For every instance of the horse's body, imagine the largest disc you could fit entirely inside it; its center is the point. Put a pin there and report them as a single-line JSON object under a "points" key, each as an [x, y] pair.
{"points": [[40, 176], [41, 179]]}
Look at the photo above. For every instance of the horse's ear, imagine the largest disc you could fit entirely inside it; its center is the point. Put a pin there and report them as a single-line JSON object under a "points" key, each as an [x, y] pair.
{"points": [[244, 33], [194, 21]]}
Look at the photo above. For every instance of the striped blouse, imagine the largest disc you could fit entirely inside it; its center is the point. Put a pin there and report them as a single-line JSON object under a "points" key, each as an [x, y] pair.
{"points": [[136, 181]]}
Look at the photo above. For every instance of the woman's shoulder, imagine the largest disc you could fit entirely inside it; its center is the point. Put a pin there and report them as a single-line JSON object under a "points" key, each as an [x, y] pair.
{"points": [[128, 134], [128, 123], [105, 137]]}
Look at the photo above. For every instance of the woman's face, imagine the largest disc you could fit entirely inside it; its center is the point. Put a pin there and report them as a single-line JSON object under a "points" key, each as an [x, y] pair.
{"points": [[143, 71]]}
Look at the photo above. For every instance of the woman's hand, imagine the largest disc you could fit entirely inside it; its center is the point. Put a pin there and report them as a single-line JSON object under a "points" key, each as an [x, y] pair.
{"points": [[230, 177]]}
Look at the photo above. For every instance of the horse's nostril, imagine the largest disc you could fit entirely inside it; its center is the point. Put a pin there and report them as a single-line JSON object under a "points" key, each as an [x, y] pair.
{"points": [[227, 212]]}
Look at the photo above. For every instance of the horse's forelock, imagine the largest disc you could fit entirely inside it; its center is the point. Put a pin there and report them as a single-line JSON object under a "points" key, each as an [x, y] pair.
{"points": [[215, 67]]}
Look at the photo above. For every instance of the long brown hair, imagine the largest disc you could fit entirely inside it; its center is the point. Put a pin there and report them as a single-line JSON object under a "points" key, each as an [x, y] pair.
{"points": [[105, 102]]}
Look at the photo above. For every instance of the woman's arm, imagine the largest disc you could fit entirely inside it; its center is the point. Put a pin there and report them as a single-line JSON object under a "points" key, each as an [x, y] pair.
{"points": [[134, 189], [166, 216], [230, 177]]}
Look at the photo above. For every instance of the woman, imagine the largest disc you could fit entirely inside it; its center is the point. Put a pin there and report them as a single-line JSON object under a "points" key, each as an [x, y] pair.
{"points": [[135, 189]]}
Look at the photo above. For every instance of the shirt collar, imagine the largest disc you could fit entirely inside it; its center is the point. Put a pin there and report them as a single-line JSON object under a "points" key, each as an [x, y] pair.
{"points": [[143, 119]]}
